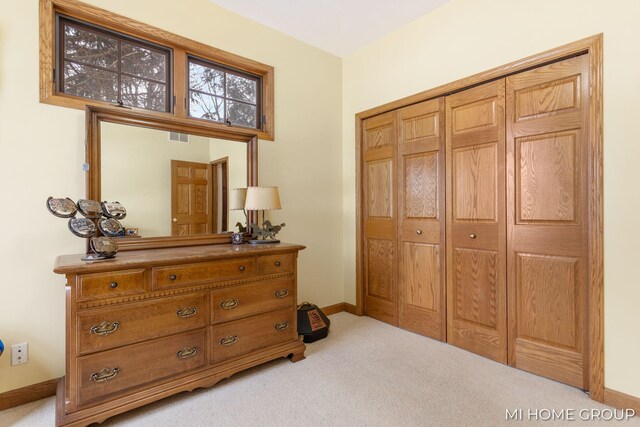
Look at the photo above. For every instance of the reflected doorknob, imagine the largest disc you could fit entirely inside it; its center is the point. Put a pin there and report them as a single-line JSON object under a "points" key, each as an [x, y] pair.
{"points": [[175, 219]]}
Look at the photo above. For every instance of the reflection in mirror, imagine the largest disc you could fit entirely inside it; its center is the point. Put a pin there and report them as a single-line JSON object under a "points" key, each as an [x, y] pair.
{"points": [[171, 184]]}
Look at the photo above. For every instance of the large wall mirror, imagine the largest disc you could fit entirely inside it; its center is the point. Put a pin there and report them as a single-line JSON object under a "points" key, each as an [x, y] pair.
{"points": [[174, 180]]}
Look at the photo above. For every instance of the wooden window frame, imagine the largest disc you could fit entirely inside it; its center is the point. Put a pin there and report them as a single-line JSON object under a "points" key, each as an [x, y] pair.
{"points": [[181, 46]]}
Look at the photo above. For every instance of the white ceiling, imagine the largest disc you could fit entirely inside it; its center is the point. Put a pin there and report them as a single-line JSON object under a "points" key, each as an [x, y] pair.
{"points": [[340, 27]]}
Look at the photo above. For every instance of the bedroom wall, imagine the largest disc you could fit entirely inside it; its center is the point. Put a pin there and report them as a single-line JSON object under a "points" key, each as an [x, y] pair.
{"points": [[42, 149], [464, 37]]}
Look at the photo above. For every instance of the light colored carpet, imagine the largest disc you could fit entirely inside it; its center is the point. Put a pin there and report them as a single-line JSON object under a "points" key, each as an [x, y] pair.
{"points": [[366, 373]]}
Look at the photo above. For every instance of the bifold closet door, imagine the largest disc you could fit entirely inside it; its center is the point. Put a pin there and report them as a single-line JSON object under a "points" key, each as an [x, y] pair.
{"points": [[421, 231], [476, 229], [379, 139], [547, 151]]}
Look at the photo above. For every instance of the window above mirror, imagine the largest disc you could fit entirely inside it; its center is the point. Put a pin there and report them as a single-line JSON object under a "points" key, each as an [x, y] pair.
{"points": [[223, 95], [93, 57], [106, 66]]}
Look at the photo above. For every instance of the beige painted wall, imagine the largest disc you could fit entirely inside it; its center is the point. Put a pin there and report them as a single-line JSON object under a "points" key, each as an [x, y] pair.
{"points": [[464, 37], [42, 150]]}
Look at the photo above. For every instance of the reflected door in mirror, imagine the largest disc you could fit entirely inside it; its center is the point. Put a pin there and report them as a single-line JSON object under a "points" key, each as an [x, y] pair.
{"points": [[220, 180], [191, 195]]}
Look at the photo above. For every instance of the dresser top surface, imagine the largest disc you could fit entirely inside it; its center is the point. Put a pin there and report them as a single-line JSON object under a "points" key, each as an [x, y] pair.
{"points": [[70, 264]]}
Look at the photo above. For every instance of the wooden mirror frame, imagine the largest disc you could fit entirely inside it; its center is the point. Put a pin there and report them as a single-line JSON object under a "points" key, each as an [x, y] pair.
{"points": [[96, 115]]}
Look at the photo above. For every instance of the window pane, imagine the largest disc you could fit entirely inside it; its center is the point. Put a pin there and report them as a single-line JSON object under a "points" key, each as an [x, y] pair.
{"points": [[206, 79], [144, 62], [206, 106], [241, 88], [90, 48], [143, 94], [89, 82], [242, 114]]}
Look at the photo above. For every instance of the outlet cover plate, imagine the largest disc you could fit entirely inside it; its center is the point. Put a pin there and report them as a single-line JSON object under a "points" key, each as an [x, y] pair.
{"points": [[19, 354]]}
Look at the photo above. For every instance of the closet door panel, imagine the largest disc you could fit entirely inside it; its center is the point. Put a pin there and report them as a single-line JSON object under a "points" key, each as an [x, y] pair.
{"points": [[380, 212], [547, 113], [475, 192], [476, 230], [421, 219]]}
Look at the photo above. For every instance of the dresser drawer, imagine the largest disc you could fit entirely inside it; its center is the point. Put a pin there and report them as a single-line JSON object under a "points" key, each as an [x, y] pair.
{"points": [[205, 272], [112, 327], [244, 336], [270, 264], [242, 301], [110, 285], [117, 370]]}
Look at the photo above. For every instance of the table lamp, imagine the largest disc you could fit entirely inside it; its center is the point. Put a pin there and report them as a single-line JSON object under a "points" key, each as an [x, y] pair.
{"points": [[262, 199], [236, 203]]}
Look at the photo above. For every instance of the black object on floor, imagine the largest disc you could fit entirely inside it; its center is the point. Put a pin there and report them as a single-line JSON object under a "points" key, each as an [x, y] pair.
{"points": [[313, 325]]}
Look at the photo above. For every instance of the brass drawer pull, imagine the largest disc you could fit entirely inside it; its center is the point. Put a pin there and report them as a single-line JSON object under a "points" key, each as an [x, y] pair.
{"points": [[472, 236], [113, 285], [173, 277], [104, 328], [281, 293], [104, 375], [242, 267], [187, 352], [187, 312], [229, 340], [282, 326], [277, 263], [228, 304]]}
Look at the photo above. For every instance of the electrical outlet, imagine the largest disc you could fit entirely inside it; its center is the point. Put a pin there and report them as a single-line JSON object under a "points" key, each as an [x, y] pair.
{"points": [[19, 354]]}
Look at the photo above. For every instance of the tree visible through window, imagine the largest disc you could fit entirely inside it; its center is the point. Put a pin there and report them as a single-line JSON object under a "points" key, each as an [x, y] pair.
{"points": [[105, 66], [223, 95]]}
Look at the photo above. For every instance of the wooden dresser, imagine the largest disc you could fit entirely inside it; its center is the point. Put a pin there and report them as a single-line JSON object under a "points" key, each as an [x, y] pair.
{"points": [[151, 323]]}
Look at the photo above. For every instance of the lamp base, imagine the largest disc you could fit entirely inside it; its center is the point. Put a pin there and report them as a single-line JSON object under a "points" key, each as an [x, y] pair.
{"points": [[262, 242]]}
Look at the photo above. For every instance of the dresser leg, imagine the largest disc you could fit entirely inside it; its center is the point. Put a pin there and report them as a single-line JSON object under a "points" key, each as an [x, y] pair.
{"points": [[298, 354], [297, 357]]}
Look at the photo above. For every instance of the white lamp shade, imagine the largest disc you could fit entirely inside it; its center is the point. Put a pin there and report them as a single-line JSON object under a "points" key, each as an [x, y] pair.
{"points": [[237, 198], [262, 198]]}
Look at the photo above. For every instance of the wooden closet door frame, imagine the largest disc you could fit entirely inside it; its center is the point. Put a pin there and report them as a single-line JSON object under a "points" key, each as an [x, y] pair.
{"points": [[595, 287]]}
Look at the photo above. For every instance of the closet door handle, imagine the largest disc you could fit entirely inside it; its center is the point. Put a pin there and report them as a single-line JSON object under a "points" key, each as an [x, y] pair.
{"points": [[472, 236]]}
